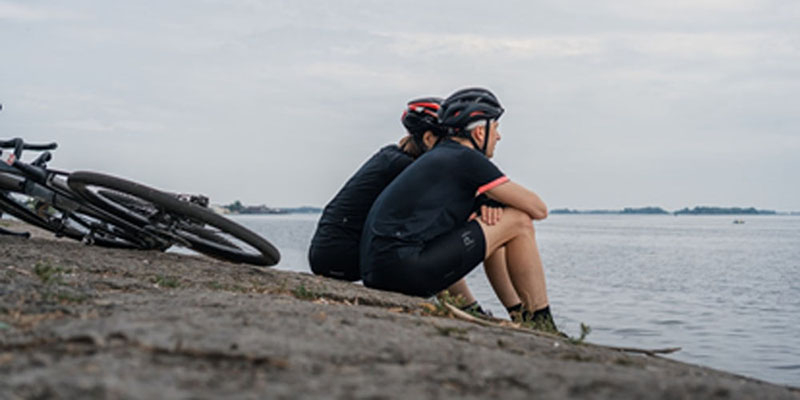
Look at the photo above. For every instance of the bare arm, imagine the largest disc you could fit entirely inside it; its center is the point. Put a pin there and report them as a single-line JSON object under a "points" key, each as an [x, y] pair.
{"points": [[514, 195]]}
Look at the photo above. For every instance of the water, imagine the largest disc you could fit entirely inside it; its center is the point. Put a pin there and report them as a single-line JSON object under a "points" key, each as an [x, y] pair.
{"points": [[727, 294]]}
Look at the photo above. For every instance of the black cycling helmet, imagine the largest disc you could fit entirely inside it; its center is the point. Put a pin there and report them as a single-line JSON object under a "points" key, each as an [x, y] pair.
{"points": [[420, 116], [467, 106]]}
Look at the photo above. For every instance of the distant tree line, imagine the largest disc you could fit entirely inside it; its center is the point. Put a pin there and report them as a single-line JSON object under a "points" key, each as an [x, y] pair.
{"points": [[699, 210], [723, 211], [238, 208]]}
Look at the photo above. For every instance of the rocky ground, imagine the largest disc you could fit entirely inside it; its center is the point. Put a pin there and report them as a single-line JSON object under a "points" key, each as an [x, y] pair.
{"points": [[88, 322]]}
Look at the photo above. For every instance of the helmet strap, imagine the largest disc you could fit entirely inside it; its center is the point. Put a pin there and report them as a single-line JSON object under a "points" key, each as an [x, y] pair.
{"points": [[474, 143], [486, 137], [483, 148]]}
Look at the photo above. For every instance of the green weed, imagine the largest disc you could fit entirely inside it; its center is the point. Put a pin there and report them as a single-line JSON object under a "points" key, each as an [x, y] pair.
{"points": [[585, 331], [166, 281], [302, 293], [451, 331], [48, 273], [65, 297]]}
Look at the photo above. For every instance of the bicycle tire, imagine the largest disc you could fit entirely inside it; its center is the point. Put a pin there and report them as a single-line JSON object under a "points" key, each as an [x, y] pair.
{"points": [[75, 226], [6, 232], [117, 231], [192, 230], [137, 210]]}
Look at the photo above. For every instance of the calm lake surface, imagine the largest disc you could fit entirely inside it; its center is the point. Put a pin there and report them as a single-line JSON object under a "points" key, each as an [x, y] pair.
{"points": [[728, 294]]}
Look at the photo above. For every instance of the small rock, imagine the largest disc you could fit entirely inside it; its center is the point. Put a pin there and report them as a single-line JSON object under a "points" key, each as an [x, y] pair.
{"points": [[320, 317]]}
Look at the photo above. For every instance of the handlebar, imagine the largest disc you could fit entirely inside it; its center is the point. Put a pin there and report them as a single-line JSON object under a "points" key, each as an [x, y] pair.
{"points": [[18, 143], [35, 170]]}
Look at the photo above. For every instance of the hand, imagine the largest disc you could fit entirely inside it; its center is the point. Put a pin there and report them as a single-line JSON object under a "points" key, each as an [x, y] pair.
{"points": [[491, 215]]}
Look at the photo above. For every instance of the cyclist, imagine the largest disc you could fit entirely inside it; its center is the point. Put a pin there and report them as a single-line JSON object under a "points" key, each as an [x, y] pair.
{"points": [[334, 246], [417, 238]]}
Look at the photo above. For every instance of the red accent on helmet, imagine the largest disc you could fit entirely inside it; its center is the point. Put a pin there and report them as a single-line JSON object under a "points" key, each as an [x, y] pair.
{"points": [[426, 105], [474, 113]]}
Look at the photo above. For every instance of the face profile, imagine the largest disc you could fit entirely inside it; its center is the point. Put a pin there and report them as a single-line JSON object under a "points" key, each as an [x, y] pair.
{"points": [[493, 137]]}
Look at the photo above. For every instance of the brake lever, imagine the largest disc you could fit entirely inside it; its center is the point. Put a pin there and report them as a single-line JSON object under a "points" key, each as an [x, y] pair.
{"points": [[42, 160]]}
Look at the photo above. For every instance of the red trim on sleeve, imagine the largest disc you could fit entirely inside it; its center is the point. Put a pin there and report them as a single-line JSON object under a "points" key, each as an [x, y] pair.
{"points": [[493, 184]]}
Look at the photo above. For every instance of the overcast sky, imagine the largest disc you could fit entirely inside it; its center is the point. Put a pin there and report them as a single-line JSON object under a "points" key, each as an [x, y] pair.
{"points": [[609, 104]]}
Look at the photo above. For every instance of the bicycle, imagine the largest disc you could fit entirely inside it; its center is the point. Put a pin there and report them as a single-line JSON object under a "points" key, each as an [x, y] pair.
{"points": [[182, 219], [38, 195], [122, 214]]}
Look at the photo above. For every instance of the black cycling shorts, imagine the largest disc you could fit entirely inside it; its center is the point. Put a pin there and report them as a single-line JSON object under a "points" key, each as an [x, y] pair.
{"points": [[339, 262], [441, 262]]}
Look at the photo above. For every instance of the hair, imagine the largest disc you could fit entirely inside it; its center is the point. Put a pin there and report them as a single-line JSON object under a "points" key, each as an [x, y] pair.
{"points": [[475, 124], [410, 147]]}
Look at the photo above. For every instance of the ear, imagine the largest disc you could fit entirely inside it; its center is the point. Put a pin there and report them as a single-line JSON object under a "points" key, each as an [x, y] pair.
{"points": [[429, 139], [479, 133]]}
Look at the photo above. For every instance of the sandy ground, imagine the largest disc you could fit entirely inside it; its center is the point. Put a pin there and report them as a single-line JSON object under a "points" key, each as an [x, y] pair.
{"points": [[87, 322]]}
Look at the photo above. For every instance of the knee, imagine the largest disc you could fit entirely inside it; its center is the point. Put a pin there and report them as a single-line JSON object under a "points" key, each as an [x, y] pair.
{"points": [[521, 222]]}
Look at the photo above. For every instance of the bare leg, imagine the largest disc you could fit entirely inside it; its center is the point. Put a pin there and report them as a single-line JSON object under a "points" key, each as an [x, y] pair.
{"points": [[515, 232], [460, 288], [497, 271]]}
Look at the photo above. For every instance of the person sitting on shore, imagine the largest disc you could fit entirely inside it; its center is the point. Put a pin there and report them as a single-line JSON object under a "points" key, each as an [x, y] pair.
{"points": [[334, 247], [417, 238]]}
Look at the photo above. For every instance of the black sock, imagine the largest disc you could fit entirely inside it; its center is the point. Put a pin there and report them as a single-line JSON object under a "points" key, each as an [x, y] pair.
{"points": [[515, 308]]}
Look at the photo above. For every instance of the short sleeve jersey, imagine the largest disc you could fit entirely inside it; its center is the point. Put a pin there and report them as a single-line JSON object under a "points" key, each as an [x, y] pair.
{"points": [[431, 197], [343, 218]]}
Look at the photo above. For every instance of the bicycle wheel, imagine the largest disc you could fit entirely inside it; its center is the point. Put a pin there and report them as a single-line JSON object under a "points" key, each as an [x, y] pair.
{"points": [[113, 228], [6, 232], [190, 224], [74, 221]]}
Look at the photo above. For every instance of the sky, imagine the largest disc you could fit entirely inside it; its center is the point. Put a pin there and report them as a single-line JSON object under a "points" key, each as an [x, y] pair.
{"points": [[608, 104]]}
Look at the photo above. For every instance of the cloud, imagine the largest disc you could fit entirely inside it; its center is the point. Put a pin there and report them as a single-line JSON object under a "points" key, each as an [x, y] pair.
{"points": [[614, 87], [657, 44], [29, 13]]}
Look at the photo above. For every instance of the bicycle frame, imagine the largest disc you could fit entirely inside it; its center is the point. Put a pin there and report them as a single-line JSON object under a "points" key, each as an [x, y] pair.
{"points": [[44, 185], [31, 179]]}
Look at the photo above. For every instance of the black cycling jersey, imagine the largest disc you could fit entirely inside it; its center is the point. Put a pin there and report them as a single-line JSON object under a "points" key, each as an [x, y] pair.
{"points": [[431, 198], [334, 247]]}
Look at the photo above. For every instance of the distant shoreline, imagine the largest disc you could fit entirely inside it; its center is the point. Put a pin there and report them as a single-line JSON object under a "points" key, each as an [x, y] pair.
{"points": [[698, 210], [239, 209]]}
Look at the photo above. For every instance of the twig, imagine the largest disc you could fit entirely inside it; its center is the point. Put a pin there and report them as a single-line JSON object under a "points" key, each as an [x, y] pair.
{"points": [[459, 314]]}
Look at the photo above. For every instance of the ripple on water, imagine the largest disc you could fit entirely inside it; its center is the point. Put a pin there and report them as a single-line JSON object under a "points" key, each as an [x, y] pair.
{"points": [[636, 332], [733, 334], [667, 322], [787, 367]]}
